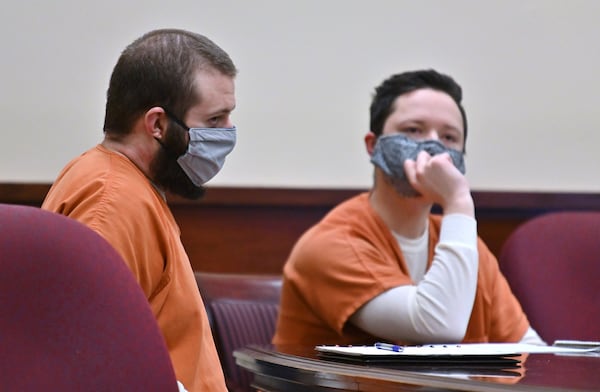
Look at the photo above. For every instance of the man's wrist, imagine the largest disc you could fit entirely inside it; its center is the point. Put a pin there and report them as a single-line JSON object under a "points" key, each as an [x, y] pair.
{"points": [[462, 205]]}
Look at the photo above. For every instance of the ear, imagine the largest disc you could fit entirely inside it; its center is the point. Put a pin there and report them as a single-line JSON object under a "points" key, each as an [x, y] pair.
{"points": [[156, 122], [370, 140]]}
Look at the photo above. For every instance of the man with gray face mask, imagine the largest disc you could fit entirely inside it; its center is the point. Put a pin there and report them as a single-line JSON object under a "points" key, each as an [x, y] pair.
{"points": [[381, 266], [167, 128]]}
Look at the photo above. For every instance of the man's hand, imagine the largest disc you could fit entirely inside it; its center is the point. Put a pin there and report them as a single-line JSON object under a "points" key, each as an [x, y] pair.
{"points": [[437, 179]]}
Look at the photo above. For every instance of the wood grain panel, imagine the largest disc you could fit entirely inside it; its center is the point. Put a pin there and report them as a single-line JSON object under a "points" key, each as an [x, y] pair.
{"points": [[252, 230]]}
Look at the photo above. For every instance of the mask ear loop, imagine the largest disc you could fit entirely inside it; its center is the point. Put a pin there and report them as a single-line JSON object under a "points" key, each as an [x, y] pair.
{"points": [[176, 119]]}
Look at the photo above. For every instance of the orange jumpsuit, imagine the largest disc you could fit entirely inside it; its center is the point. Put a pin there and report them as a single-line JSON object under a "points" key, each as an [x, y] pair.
{"points": [[350, 257], [108, 193]]}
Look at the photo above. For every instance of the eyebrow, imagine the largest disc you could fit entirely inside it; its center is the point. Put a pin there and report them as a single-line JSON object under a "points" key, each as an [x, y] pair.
{"points": [[220, 112]]}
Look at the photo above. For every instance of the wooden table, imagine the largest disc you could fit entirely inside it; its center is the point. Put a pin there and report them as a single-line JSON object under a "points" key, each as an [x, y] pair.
{"points": [[292, 369]]}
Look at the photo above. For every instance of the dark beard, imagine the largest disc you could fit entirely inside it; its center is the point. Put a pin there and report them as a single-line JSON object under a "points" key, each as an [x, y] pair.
{"points": [[402, 186], [166, 172]]}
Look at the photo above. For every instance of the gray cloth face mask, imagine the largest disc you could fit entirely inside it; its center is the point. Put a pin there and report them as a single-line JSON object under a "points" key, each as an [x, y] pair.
{"points": [[392, 150], [206, 152]]}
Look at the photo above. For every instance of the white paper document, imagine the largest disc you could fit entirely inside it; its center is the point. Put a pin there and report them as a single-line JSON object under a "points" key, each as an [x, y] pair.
{"points": [[472, 349]]}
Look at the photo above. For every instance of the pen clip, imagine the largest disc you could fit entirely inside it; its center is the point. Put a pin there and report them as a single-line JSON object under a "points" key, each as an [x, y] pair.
{"points": [[389, 347]]}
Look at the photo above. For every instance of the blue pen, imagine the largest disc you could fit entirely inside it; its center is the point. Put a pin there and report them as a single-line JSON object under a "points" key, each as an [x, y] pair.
{"points": [[389, 347]]}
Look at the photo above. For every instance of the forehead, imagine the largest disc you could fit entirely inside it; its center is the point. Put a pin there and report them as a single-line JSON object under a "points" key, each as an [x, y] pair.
{"points": [[215, 90], [427, 106]]}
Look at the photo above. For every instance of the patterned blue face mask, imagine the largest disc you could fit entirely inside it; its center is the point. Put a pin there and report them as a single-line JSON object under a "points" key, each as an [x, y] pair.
{"points": [[392, 150]]}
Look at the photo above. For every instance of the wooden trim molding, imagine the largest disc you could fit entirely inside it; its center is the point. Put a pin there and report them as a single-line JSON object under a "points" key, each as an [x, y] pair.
{"points": [[521, 203], [26, 194], [252, 230]]}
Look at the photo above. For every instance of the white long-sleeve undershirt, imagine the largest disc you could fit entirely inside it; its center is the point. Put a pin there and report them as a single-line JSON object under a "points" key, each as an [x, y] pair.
{"points": [[438, 307]]}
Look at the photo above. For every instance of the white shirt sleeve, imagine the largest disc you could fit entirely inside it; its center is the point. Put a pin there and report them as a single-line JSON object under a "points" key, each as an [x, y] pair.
{"points": [[532, 337], [438, 308]]}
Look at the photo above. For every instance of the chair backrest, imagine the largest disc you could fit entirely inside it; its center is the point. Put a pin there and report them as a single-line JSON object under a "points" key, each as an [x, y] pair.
{"points": [[73, 316], [242, 310], [552, 263]]}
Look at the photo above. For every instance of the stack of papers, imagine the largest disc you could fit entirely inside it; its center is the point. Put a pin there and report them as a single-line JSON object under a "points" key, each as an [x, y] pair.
{"points": [[590, 348], [479, 354], [586, 344]]}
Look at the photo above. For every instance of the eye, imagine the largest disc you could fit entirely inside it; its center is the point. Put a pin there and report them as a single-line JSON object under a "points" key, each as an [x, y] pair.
{"points": [[411, 130], [215, 122], [450, 138]]}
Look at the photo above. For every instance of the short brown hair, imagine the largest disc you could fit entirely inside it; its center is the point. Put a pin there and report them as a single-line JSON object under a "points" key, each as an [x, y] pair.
{"points": [[159, 69], [396, 85]]}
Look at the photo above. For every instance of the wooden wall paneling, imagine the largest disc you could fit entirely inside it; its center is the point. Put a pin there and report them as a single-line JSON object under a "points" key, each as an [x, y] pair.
{"points": [[252, 230], [242, 239]]}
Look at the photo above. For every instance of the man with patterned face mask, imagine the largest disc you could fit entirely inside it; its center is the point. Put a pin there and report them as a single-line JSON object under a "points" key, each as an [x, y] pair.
{"points": [[381, 266], [167, 128]]}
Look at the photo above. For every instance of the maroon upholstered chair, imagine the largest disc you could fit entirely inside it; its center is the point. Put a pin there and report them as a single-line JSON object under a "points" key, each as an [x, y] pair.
{"points": [[242, 310], [73, 316], [552, 263]]}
